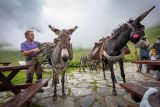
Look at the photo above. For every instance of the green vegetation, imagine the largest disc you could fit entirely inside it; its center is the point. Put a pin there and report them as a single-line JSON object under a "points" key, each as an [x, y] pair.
{"points": [[95, 87], [153, 33], [78, 53], [15, 56]]}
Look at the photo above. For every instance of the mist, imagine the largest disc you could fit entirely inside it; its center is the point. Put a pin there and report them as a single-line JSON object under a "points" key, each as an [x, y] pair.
{"points": [[94, 18]]}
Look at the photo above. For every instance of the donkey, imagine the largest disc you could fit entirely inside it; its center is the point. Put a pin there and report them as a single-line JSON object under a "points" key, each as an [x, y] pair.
{"points": [[86, 61], [132, 31], [60, 57], [96, 54]]}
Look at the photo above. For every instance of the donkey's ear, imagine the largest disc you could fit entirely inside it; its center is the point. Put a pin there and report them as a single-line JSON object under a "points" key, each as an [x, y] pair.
{"points": [[72, 30], [55, 30], [142, 16]]}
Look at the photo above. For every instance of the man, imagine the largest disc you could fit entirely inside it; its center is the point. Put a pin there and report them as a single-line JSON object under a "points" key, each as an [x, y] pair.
{"points": [[29, 49], [156, 46], [144, 55]]}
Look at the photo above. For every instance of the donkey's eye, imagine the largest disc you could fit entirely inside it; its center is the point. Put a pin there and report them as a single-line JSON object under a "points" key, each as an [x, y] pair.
{"points": [[69, 39], [141, 26]]}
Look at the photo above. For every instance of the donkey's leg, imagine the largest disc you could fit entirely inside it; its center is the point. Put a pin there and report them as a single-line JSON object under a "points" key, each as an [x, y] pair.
{"points": [[103, 68], [114, 92], [55, 84], [79, 68], [55, 87], [95, 67], [84, 69], [57, 78], [122, 70], [63, 81]]}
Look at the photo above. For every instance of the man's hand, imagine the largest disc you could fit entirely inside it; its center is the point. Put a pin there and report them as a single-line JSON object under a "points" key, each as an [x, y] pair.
{"points": [[36, 50], [27, 53]]}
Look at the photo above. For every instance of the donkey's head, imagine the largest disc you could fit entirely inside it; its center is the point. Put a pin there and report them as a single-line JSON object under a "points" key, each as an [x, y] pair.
{"points": [[64, 41], [137, 34]]}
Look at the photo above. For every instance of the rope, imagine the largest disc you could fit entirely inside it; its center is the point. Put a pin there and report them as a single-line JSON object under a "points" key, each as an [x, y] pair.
{"points": [[136, 53]]}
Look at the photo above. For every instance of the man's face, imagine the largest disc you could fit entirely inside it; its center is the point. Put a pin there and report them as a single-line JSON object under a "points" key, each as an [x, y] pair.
{"points": [[30, 36]]}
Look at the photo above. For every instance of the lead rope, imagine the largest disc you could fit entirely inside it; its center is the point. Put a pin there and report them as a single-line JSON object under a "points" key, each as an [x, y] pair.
{"points": [[136, 55]]}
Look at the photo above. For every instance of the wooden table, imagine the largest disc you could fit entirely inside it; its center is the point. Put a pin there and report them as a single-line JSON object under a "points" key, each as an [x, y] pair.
{"points": [[6, 84], [154, 64]]}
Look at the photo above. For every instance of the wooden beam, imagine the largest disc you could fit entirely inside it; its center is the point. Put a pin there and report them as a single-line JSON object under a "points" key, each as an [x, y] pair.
{"points": [[23, 97], [12, 68], [149, 62]]}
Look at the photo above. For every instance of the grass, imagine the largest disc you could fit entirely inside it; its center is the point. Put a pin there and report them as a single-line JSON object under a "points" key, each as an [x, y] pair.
{"points": [[153, 33], [11, 56], [21, 76], [95, 87]]}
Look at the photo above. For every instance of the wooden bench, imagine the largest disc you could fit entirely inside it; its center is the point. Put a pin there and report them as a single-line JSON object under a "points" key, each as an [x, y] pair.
{"points": [[25, 96], [6, 83], [136, 91]]}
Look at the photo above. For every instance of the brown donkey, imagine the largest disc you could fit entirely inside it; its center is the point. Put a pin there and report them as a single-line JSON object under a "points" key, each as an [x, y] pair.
{"points": [[60, 57]]}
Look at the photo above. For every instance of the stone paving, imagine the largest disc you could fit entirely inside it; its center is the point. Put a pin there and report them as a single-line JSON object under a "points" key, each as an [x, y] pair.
{"points": [[89, 89]]}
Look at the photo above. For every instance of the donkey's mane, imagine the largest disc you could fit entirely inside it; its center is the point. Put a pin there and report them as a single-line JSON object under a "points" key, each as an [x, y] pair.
{"points": [[121, 28]]}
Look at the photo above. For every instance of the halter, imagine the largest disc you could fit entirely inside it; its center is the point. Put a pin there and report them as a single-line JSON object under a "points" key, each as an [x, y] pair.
{"points": [[134, 37]]}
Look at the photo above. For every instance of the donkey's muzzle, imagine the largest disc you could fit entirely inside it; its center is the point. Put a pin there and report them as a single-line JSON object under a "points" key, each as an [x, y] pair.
{"points": [[142, 44], [65, 59], [64, 55]]}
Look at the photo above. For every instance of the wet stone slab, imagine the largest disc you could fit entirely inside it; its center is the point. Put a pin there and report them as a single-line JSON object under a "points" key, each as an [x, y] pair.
{"points": [[89, 89], [87, 101]]}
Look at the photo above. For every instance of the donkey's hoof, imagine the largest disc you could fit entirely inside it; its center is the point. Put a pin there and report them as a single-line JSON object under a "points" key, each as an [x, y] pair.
{"points": [[64, 96], [54, 97], [114, 93]]}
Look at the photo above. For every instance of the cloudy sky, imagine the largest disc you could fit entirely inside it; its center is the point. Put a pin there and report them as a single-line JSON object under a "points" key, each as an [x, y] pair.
{"points": [[95, 18]]}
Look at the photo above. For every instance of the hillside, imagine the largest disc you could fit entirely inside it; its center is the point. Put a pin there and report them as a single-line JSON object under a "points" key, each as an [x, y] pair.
{"points": [[153, 33]]}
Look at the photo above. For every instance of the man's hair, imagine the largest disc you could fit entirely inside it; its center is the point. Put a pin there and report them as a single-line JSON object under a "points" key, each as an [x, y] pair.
{"points": [[27, 32], [158, 38]]}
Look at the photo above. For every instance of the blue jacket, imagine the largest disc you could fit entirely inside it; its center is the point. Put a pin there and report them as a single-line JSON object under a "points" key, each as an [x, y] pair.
{"points": [[144, 52]]}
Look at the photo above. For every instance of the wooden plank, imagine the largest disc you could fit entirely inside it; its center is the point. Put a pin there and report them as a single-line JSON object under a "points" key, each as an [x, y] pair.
{"points": [[25, 96], [12, 68], [149, 62], [134, 89]]}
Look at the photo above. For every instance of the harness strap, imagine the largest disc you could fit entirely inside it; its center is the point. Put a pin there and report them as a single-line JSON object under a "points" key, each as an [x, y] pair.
{"points": [[131, 26], [101, 52]]}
